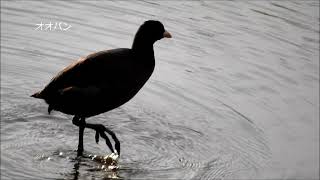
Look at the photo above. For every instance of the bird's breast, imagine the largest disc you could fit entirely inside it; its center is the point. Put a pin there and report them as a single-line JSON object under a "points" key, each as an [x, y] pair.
{"points": [[123, 88]]}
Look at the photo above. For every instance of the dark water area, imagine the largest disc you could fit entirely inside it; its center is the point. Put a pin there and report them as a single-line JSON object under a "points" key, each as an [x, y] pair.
{"points": [[234, 95]]}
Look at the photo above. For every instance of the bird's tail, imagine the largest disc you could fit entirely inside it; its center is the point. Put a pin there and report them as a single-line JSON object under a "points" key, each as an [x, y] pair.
{"points": [[37, 95], [40, 96]]}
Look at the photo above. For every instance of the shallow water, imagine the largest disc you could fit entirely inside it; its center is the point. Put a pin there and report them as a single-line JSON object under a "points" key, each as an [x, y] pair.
{"points": [[234, 94]]}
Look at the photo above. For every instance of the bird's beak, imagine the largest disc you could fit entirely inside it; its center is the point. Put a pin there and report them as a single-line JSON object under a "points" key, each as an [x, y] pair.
{"points": [[166, 34]]}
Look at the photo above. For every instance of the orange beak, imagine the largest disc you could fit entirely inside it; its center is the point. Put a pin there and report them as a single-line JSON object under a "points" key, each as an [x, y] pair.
{"points": [[166, 34]]}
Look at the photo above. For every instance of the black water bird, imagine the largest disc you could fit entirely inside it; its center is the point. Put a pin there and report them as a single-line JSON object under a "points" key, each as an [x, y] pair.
{"points": [[103, 81]]}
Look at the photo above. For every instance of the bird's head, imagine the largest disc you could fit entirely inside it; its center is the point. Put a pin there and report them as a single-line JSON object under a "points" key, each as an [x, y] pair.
{"points": [[154, 30], [149, 32]]}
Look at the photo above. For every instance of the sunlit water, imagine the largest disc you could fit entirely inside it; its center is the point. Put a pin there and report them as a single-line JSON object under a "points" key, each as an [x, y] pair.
{"points": [[234, 94]]}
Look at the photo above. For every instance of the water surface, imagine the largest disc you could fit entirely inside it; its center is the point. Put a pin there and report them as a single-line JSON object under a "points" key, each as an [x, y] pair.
{"points": [[234, 95]]}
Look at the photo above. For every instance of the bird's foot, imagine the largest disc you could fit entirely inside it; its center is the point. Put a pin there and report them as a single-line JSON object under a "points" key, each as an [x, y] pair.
{"points": [[101, 131]]}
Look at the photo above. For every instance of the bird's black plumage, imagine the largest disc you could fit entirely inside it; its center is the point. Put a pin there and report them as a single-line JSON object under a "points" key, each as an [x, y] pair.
{"points": [[104, 80]]}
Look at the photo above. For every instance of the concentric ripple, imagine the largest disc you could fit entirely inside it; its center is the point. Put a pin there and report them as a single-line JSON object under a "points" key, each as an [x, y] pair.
{"points": [[234, 94]]}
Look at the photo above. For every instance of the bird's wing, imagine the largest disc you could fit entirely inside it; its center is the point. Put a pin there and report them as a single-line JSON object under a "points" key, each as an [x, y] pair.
{"points": [[94, 70]]}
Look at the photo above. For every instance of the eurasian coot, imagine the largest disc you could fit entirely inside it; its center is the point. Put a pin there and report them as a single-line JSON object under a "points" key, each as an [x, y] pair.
{"points": [[103, 81]]}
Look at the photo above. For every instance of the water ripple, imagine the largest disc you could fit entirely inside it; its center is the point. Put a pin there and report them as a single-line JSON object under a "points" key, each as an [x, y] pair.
{"points": [[232, 96]]}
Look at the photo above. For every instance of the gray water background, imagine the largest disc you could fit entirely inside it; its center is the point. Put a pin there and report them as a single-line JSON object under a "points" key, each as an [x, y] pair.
{"points": [[234, 95]]}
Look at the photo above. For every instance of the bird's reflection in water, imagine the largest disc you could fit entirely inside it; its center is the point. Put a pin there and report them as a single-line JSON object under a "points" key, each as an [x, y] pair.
{"points": [[76, 169], [107, 164]]}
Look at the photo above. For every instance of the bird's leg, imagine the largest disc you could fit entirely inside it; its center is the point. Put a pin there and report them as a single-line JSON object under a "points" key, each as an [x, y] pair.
{"points": [[81, 131], [81, 123], [100, 130]]}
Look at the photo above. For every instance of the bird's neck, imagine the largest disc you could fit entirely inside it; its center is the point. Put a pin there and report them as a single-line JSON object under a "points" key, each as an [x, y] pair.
{"points": [[139, 43], [143, 47], [142, 42]]}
